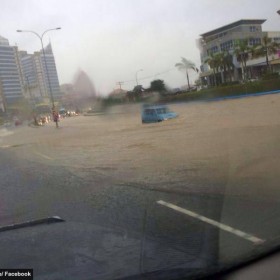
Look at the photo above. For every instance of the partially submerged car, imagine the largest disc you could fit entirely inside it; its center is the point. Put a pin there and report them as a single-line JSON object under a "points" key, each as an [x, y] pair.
{"points": [[62, 112], [156, 113]]}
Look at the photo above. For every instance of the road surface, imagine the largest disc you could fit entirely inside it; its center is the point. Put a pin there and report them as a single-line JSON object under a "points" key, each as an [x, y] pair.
{"points": [[198, 191]]}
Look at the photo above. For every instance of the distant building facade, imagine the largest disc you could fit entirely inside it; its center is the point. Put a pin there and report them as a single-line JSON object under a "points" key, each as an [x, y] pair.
{"points": [[40, 74], [83, 85], [50, 66], [79, 95], [223, 39], [24, 75], [32, 76], [67, 89], [10, 81], [118, 94]]}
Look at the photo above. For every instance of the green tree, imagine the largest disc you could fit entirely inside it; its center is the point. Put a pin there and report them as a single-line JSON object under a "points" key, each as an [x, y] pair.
{"points": [[267, 47], [243, 52], [138, 89], [198, 82], [157, 85], [214, 61], [226, 65], [186, 65]]}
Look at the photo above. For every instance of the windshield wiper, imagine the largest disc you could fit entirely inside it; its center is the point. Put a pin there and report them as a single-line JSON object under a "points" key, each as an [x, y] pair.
{"points": [[48, 220]]}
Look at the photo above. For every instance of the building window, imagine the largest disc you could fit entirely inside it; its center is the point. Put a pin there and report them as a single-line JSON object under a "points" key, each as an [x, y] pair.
{"points": [[226, 45], [254, 41], [220, 35], [253, 29], [212, 50]]}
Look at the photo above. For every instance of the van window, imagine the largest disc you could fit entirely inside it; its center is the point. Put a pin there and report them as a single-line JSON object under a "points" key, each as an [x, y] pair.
{"points": [[150, 112], [162, 110]]}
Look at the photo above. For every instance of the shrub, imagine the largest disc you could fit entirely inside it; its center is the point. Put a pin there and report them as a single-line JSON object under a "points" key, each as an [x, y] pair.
{"points": [[270, 76], [227, 91]]}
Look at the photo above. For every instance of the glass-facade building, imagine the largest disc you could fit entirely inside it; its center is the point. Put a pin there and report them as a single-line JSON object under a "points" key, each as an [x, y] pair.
{"points": [[49, 69], [40, 73], [10, 82]]}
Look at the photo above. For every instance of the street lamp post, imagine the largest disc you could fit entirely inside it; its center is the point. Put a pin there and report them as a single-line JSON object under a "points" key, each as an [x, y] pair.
{"points": [[32, 100], [47, 71], [136, 75]]}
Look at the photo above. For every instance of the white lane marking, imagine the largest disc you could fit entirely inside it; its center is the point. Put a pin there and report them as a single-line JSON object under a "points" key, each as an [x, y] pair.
{"points": [[224, 227], [42, 155], [5, 146]]}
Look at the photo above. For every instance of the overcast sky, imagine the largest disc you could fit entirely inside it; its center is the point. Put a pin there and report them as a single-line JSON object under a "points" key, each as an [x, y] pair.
{"points": [[111, 40]]}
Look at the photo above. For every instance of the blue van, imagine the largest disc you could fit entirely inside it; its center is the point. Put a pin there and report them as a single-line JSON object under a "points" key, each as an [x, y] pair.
{"points": [[156, 113]]}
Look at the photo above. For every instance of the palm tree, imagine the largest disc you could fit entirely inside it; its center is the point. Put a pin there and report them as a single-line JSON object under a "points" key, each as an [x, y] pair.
{"points": [[185, 65], [242, 52], [226, 64], [214, 61], [221, 62], [267, 47]]}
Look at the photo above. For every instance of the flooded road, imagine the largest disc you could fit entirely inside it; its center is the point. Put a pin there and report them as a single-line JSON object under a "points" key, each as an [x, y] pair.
{"points": [[200, 190], [211, 146]]}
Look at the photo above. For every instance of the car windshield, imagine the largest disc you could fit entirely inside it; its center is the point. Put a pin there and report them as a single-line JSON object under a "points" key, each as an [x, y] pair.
{"points": [[162, 111], [138, 138]]}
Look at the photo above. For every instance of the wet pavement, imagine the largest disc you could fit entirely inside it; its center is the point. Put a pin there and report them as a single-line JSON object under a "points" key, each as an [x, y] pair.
{"points": [[106, 176]]}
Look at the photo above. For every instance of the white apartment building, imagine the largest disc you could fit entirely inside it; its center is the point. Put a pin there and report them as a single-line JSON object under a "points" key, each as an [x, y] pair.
{"points": [[224, 38]]}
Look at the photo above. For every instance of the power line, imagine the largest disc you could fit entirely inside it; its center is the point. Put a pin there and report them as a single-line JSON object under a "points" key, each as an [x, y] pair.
{"points": [[120, 84], [149, 77]]}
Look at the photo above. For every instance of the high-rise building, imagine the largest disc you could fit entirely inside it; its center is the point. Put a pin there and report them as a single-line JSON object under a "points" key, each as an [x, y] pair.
{"points": [[10, 81], [40, 74], [26, 73], [50, 72], [83, 85]]}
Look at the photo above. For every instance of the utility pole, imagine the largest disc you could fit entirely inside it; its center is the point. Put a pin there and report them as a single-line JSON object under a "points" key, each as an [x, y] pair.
{"points": [[32, 100], [120, 84]]}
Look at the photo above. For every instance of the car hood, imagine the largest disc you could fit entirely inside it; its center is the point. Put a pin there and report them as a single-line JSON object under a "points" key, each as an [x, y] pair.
{"points": [[169, 115]]}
